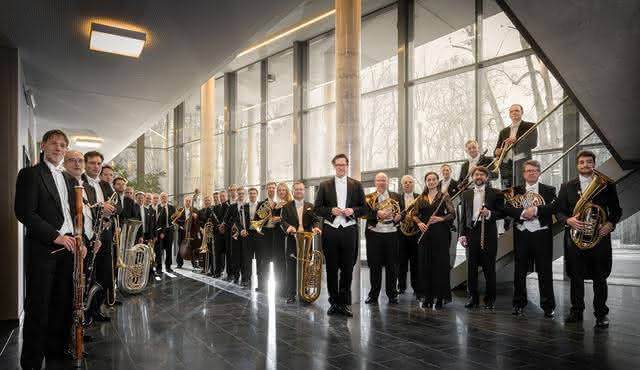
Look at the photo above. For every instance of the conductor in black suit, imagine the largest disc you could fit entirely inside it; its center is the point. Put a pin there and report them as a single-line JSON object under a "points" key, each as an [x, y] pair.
{"points": [[511, 166], [297, 215], [340, 201], [533, 240], [593, 263], [45, 204]]}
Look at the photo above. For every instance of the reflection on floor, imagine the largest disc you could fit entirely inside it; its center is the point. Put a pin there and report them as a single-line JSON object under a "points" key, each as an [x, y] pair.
{"points": [[190, 321]]}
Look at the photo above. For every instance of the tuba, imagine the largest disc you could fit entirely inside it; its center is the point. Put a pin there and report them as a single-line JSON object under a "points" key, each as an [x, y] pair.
{"points": [[309, 267], [264, 214], [136, 259], [590, 213]]}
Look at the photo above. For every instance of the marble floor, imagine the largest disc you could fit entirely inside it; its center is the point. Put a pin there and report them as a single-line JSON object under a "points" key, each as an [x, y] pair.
{"points": [[189, 321]]}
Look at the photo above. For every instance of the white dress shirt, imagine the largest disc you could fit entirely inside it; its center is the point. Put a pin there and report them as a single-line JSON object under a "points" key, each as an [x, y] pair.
{"points": [[408, 199], [383, 227], [513, 133], [86, 213], [142, 216], [241, 213], [445, 185], [96, 185], [478, 201], [61, 186], [584, 182], [532, 225], [300, 211], [473, 161], [341, 196]]}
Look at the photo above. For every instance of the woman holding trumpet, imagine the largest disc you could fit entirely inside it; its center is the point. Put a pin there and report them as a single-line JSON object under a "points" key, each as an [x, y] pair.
{"points": [[432, 214]]}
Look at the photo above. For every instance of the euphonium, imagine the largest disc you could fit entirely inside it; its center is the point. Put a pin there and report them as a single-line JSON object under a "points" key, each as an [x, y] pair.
{"points": [[309, 279], [264, 214], [590, 213], [134, 274]]}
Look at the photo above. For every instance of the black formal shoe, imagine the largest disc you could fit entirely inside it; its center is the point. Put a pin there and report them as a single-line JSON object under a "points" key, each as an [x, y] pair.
{"points": [[438, 305], [333, 310], [425, 305], [602, 322], [169, 269], [244, 284], [345, 310], [371, 301], [472, 304], [102, 318], [574, 317], [517, 311], [549, 314], [401, 291], [489, 305], [393, 300], [291, 300]]}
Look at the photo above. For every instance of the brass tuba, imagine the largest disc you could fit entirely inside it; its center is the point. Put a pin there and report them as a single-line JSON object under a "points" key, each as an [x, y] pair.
{"points": [[264, 214], [136, 259], [309, 278], [590, 213]]}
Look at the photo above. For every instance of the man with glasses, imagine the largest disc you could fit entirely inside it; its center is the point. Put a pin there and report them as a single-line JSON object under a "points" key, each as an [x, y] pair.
{"points": [[515, 158]]}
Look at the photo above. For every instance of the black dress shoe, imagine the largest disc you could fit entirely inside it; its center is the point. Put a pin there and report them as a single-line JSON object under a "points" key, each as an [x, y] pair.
{"points": [[291, 300], [489, 306], [602, 322], [169, 269], [345, 310], [179, 266], [401, 291], [574, 317], [426, 305], [517, 311], [549, 314], [245, 284], [371, 301], [102, 318], [472, 304], [393, 300], [439, 304], [333, 310]]}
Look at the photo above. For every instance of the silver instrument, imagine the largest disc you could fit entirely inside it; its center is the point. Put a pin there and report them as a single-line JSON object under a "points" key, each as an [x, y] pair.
{"points": [[136, 259]]}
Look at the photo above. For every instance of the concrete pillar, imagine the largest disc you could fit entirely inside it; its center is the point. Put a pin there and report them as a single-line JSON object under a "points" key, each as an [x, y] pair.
{"points": [[348, 25], [207, 131]]}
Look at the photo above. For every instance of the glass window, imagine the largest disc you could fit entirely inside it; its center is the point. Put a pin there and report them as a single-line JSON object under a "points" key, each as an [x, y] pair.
{"points": [[280, 149], [420, 171], [125, 163], [248, 96], [156, 136], [171, 171], [444, 36], [379, 62], [280, 85], [171, 128], [379, 130], [155, 168], [219, 105], [321, 86], [218, 175], [248, 156], [500, 36], [319, 141], [191, 127], [443, 118], [525, 81], [190, 160]]}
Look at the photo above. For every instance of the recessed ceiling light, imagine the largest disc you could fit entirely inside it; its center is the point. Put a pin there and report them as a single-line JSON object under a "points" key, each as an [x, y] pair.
{"points": [[116, 40]]}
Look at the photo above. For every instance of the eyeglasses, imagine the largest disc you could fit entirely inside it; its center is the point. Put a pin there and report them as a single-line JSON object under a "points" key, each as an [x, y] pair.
{"points": [[75, 160]]}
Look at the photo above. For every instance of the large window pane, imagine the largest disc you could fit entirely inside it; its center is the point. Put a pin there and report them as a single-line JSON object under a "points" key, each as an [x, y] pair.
{"points": [[443, 117], [219, 105], [125, 163], [248, 100], [379, 63], [319, 141], [419, 172], [444, 36], [280, 85], [379, 130], [191, 127], [155, 167], [248, 156], [321, 86], [218, 175], [525, 81], [280, 149], [156, 136], [500, 36], [190, 160]]}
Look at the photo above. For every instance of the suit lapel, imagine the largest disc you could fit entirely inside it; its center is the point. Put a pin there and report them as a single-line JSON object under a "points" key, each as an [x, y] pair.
{"points": [[332, 184], [50, 184]]}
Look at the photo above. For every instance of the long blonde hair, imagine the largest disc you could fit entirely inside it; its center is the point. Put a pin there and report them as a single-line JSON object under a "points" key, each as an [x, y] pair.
{"points": [[282, 184]]}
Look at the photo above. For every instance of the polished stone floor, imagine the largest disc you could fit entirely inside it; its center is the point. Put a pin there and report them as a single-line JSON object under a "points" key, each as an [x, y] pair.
{"points": [[189, 321]]}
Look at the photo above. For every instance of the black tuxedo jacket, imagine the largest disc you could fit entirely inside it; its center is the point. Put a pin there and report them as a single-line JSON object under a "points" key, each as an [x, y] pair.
{"points": [[372, 214], [235, 217], [149, 221], [453, 186], [607, 199], [208, 213], [289, 216], [482, 161], [221, 211], [92, 198], [525, 145], [128, 209], [164, 218], [38, 205], [401, 201], [545, 212], [326, 198], [493, 201]]}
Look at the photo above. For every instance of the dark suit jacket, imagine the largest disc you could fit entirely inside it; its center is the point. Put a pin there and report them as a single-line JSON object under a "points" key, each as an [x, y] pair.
{"points": [[453, 186], [149, 222], [164, 218], [525, 145], [607, 199], [545, 212], [494, 202], [289, 216], [38, 205], [128, 209], [483, 161], [372, 213], [326, 198], [221, 211]]}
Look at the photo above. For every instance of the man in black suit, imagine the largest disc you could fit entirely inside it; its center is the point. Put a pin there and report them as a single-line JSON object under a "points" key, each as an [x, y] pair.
{"points": [[251, 244], [127, 204], [45, 204], [145, 214], [533, 242], [151, 220], [474, 158], [447, 183], [99, 177], [189, 213], [382, 241], [236, 218], [593, 263], [220, 241], [408, 244], [264, 239], [481, 205], [165, 234], [297, 216], [340, 201], [207, 214], [511, 166]]}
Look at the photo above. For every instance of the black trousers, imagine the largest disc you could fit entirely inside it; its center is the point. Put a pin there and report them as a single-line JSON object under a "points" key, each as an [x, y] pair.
{"points": [[249, 247], [264, 254], [382, 251], [278, 257], [104, 270], [407, 261], [220, 252], [534, 247], [179, 259], [164, 245], [291, 267], [48, 304], [340, 252], [485, 258], [235, 260]]}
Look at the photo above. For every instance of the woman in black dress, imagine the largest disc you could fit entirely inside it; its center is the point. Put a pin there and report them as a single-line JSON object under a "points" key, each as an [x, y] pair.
{"points": [[279, 235], [432, 212]]}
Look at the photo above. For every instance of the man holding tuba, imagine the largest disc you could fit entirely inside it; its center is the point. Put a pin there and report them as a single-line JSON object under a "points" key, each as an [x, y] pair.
{"points": [[590, 209], [297, 216], [532, 206]]}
